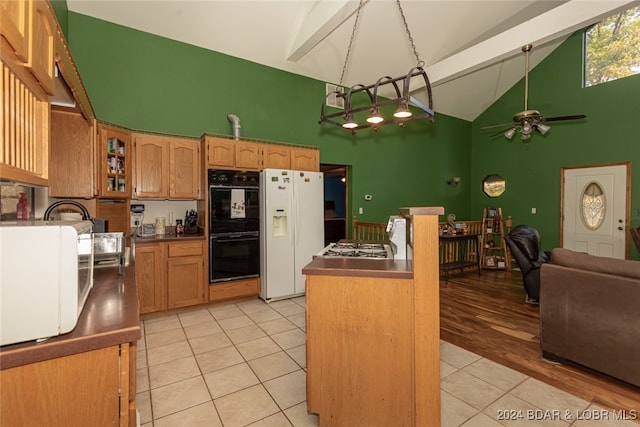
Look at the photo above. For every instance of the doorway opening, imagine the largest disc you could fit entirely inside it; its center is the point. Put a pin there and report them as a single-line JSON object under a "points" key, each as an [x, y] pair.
{"points": [[335, 202]]}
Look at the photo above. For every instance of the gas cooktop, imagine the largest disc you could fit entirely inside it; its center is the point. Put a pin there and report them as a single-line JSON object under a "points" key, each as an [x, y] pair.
{"points": [[357, 250]]}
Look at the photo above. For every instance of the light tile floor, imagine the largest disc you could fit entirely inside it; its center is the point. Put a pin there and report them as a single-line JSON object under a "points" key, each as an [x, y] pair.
{"points": [[243, 364]]}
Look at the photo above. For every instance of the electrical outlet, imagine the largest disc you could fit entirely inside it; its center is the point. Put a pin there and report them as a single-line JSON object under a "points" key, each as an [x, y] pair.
{"points": [[533, 210], [360, 211]]}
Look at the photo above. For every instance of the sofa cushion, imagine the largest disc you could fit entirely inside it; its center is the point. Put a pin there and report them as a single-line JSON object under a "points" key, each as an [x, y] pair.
{"points": [[619, 267]]}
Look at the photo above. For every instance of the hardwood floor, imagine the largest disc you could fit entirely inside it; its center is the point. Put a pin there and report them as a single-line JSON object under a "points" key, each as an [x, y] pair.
{"points": [[487, 315]]}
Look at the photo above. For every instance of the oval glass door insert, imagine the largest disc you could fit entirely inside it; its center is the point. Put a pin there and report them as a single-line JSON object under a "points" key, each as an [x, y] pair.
{"points": [[593, 206]]}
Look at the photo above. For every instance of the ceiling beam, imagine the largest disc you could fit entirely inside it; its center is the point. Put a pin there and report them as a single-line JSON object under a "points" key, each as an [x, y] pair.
{"points": [[322, 20], [556, 23]]}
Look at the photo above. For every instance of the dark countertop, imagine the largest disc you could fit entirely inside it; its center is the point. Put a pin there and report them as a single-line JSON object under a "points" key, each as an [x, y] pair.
{"points": [[319, 266], [110, 317], [169, 237]]}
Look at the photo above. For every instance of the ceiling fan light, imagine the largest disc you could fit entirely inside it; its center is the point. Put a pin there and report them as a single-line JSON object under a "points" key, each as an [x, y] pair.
{"points": [[375, 116], [403, 110], [542, 128], [526, 128], [525, 136], [509, 134]]}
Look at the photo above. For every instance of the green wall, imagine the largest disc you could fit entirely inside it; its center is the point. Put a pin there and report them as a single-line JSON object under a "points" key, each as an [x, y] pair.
{"points": [[61, 11], [142, 81], [146, 82], [532, 170]]}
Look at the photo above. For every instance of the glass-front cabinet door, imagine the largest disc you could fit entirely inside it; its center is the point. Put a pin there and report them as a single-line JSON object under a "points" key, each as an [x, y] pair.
{"points": [[114, 158]]}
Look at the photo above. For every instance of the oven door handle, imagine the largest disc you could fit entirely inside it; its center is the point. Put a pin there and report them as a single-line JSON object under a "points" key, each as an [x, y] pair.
{"points": [[223, 239]]}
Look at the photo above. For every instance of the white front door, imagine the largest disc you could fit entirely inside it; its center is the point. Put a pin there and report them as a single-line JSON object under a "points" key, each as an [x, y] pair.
{"points": [[594, 208]]}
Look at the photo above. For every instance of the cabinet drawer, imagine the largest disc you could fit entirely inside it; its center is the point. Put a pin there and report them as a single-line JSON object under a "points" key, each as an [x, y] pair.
{"points": [[185, 249]]}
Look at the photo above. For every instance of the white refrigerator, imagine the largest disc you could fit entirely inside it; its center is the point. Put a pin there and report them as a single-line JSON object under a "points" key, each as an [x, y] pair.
{"points": [[291, 229]]}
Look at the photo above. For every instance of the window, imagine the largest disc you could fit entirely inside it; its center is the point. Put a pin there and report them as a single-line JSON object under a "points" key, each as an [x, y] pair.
{"points": [[612, 48]]}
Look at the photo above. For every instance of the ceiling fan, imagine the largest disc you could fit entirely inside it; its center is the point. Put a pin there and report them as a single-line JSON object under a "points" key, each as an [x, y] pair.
{"points": [[528, 121]]}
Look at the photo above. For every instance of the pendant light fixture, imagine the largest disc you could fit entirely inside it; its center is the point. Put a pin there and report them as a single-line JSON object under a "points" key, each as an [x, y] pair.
{"points": [[371, 102]]}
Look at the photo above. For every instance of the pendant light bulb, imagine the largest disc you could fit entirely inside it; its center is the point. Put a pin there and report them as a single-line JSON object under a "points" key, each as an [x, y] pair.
{"points": [[375, 116], [403, 110], [349, 122]]}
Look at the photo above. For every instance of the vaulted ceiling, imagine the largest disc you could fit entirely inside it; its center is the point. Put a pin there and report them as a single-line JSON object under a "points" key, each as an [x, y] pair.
{"points": [[471, 48]]}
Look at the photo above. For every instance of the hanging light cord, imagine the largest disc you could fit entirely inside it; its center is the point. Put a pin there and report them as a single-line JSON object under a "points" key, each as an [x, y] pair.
{"points": [[353, 33], [420, 63], [403, 99]]}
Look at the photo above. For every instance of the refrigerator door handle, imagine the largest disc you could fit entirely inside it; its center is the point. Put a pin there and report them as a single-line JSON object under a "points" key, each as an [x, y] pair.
{"points": [[296, 209]]}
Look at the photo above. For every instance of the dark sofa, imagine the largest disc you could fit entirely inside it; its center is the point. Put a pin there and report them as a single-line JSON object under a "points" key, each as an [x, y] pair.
{"points": [[590, 313]]}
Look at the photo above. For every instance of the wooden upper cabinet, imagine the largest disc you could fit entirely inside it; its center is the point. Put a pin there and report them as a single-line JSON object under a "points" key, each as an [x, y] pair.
{"points": [[248, 155], [113, 157], [184, 169], [276, 156], [41, 50], [220, 152], [15, 24], [233, 154], [152, 166], [166, 167], [27, 56], [305, 159], [72, 156]]}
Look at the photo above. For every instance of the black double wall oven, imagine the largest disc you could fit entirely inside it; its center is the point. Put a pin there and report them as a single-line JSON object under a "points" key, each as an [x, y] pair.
{"points": [[234, 225]]}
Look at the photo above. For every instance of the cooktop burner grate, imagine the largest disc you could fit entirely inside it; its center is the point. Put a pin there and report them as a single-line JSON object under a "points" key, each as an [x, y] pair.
{"points": [[357, 250]]}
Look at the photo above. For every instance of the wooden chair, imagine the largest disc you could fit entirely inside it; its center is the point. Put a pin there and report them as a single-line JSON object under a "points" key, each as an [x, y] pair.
{"points": [[372, 231]]}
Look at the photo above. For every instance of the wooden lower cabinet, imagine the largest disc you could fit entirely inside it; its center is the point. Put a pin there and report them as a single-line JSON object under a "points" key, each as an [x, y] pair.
{"points": [[355, 327], [169, 275], [82, 389], [185, 274], [150, 277]]}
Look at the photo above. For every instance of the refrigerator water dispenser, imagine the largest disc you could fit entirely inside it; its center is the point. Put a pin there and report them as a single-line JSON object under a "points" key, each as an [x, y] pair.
{"points": [[279, 225]]}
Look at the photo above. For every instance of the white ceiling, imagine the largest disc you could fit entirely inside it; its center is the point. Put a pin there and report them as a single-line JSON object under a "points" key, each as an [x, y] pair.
{"points": [[471, 48]]}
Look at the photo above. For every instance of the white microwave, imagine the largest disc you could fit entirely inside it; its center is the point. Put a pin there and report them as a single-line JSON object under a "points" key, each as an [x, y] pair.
{"points": [[46, 274]]}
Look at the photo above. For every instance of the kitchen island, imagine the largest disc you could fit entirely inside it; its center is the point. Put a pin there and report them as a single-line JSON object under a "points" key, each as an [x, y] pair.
{"points": [[373, 334], [82, 378]]}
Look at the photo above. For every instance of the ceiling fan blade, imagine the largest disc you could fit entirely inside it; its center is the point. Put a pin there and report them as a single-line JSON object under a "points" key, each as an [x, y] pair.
{"points": [[561, 118], [500, 125]]}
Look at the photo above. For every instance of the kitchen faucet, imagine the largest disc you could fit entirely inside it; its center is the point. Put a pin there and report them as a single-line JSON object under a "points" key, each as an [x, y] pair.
{"points": [[85, 213]]}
